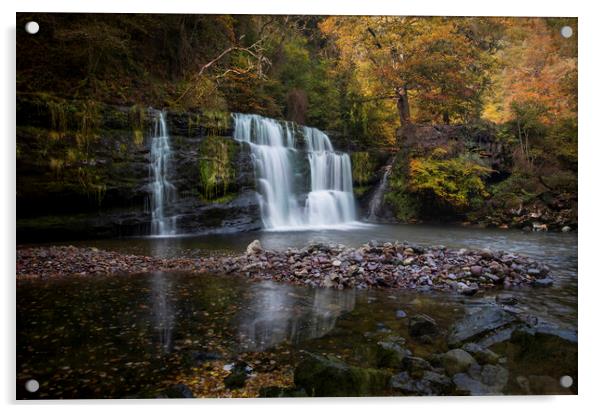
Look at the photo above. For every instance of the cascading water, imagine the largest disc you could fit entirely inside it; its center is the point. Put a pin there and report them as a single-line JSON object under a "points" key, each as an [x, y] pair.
{"points": [[162, 191], [331, 197], [375, 205], [284, 203]]}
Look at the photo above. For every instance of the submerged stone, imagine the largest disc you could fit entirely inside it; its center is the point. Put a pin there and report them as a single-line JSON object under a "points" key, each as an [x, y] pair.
{"points": [[477, 324], [329, 377]]}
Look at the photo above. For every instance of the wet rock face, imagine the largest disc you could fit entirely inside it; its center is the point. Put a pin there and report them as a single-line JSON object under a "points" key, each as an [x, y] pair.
{"points": [[102, 189]]}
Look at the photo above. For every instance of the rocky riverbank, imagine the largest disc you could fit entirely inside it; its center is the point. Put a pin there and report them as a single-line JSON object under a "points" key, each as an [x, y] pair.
{"points": [[373, 265]]}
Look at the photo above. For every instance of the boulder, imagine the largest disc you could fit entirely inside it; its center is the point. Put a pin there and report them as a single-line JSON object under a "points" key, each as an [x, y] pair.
{"points": [[422, 325], [456, 361], [489, 380], [275, 391], [329, 377], [481, 355], [506, 299], [390, 354], [179, 391], [238, 376], [543, 282], [478, 324], [415, 366], [254, 248], [431, 384]]}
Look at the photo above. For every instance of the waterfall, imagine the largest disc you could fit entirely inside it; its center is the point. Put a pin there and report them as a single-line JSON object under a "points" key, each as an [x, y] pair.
{"points": [[375, 205], [285, 204], [162, 191]]}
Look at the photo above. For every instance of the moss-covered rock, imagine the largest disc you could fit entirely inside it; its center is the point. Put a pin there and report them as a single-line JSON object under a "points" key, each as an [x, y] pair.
{"points": [[217, 168], [327, 377]]}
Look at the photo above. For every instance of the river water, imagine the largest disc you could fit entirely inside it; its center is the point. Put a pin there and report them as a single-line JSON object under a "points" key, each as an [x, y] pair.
{"points": [[132, 335]]}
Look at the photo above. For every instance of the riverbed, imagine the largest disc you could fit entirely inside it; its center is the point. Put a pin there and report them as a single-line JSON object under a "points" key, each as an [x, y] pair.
{"points": [[139, 335]]}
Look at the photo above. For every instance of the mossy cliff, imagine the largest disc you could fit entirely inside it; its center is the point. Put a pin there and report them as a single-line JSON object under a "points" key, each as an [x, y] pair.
{"points": [[83, 170]]}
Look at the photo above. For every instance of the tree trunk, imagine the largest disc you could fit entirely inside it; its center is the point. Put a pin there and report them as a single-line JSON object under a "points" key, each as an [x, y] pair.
{"points": [[403, 106]]}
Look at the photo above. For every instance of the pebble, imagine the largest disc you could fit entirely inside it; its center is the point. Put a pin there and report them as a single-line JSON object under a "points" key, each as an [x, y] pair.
{"points": [[375, 265]]}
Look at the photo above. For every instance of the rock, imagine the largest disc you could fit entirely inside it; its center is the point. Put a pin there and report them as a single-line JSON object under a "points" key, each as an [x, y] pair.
{"points": [[546, 344], [490, 380], [566, 228], [238, 376], [336, 263], [456, 361], [468, 290], [390, 354], [254, 248], [476, 270], [275, 391], [327, 377], [506, 299], [543, 282], [486, 253], [539, 227], [480, 354], [179, 391], [400, 314], [408, 261], [477, 324], [415, 366], [421, 325], [431, 384]]}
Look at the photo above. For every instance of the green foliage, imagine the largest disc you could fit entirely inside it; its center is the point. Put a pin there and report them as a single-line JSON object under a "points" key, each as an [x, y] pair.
{"points": [[404, 204], [217, 169], [363, 167], [456, 182]]}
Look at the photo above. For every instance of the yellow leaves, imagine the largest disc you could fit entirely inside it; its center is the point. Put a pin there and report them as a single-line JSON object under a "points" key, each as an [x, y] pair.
{"points": [[207, 381], [456, 182], [535, 69]]}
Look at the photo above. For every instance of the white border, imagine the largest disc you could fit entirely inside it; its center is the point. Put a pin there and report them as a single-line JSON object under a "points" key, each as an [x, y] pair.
{"points": [[590, 151]]}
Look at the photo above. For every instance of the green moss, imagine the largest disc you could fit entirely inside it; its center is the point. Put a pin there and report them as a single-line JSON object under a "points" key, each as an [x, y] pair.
{"points": [[216, 122], [91, 183], [363, 167], [88, 123], [217, 171], [136, 117]]}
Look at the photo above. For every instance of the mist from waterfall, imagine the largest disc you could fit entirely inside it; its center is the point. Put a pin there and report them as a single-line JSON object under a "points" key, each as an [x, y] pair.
{"points": [[163, 192], [287, 202]]}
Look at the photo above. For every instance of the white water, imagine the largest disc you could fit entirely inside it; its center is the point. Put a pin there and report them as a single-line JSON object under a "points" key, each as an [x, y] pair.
{"points": [[375, 205], [285, 204], [162, 191]]}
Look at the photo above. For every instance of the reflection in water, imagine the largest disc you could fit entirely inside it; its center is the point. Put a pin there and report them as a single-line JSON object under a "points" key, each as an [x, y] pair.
{"points": [[163, 314], [276, 313]]}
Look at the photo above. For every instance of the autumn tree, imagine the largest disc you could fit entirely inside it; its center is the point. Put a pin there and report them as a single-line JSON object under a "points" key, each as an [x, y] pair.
{"points": [[441, 63]]}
